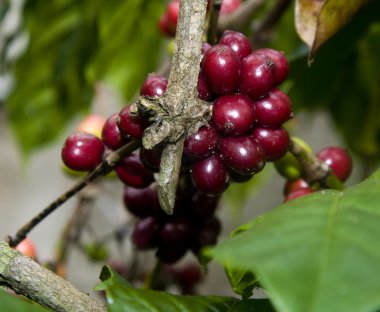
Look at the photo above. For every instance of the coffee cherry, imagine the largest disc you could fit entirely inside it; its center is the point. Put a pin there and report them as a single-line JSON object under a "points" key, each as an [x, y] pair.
{"points": [[240, 178], [145, 233], [233, 114], [27, 248], [279, 59], [165, 26], [130, 125], [221, 68], [229, 6], [258, 75], [188, 275], [171, 254], [151, 158], [172, 11], [204, 91], [274, 141], [273, 110], [205, 47], [154, 85], [92, 124], [339, 160], [201, 144], [242, 155], [291, 186], [140, 202], [175, 232], [238, 42], [298, 193], [111, 135], [206, 235], [82, 151], [132, 172], [201, 206], [210, 175]]}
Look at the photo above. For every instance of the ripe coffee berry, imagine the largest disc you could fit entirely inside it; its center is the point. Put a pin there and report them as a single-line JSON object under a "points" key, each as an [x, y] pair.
{"points": [[151, 158], [145, 233], [282, 66], [258, 75], [233, 114], [132, 172], [298, 193], [229, 6], [111, 135], [238, 42], [274, 141], [339, 160], [175, 232], [140, 202], [273, 110], [210, 175], [82, 151], [242, 155], [130, 125], [27, 248], [154, 85], [291, 186], [201, 144], [204, 91], [221, 68]]}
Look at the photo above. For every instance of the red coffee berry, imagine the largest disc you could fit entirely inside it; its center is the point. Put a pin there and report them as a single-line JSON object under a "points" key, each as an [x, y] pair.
{"points": [[206, 235], [175, 231], [210, 175], [201, 144], [339, 160], [130, 125], [221, 68], [140, 202], [258, 75], [282, 66], [242, 155], [82, 151], [204, 91], [172, 11], [27, 248], [229, 6], [202, 206], [154, 85], [238, 42], [111, 135], [151, 158], [165, 27], [274, 141], [132, 172], [145, 233], [291, 186], [233, 114], [273, 110], [298, 193], [171, 254]]}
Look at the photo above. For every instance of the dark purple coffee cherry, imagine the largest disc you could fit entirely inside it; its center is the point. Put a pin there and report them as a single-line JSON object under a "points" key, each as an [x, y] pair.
{"points": [[204, 91], [206, 235], [140, 202], [132, 172], [82, 151], [201, 144], [151, 158], [242, 155], [210, 175], [273, 110], [274, 141], [111, 135], [258, 75], [279, 59], [339, 160], [154, 85], [201, 206], [233, 114], [171, 254], [240, 178], [238, 42], [221, 68], [176, 231], [130, 125], [145, 233]]}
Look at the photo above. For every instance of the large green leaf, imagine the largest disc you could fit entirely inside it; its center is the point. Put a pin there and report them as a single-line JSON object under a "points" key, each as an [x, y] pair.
{"points": [[316, 253], [11, 303], [121, 296]]}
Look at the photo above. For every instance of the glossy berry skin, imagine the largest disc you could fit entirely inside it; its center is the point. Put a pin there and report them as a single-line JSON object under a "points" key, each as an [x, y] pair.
{"points": [[282, 66], [204, 91], [339, 160], [210, 175], [221, 68], [240, 178], [273, 110], [145, 233], [129, 125], [238, 42], [201, 206], [274, 141], [229, 6], [154, 85], [201, 144], [175, 232], [242, 155], [132, 172], [82, 151], [298, 193], [27, 248], [291, 186], [151, 158], [258, 75], [111, 135], [140, 202], [233, 114]]}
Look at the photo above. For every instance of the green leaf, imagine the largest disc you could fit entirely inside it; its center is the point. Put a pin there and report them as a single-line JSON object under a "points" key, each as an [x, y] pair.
{"points": [[121, 296], [242, 282], [18, 304], [317, 21], [316, 253]]}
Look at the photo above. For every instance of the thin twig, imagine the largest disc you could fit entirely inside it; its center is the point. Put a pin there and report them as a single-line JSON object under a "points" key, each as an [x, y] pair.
{"points": [[215, 7], [104, 168]]}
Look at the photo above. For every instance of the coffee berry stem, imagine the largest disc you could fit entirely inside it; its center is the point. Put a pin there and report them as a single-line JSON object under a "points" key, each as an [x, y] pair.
{"points": [[105, 167], [315, 170]]}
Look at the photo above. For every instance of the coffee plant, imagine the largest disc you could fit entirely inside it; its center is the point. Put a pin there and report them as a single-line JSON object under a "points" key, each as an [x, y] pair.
{"points": [[213, 89]]}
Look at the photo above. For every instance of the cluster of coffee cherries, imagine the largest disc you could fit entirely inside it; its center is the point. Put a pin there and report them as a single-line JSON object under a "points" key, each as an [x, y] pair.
{"points": [[168, 21]]}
